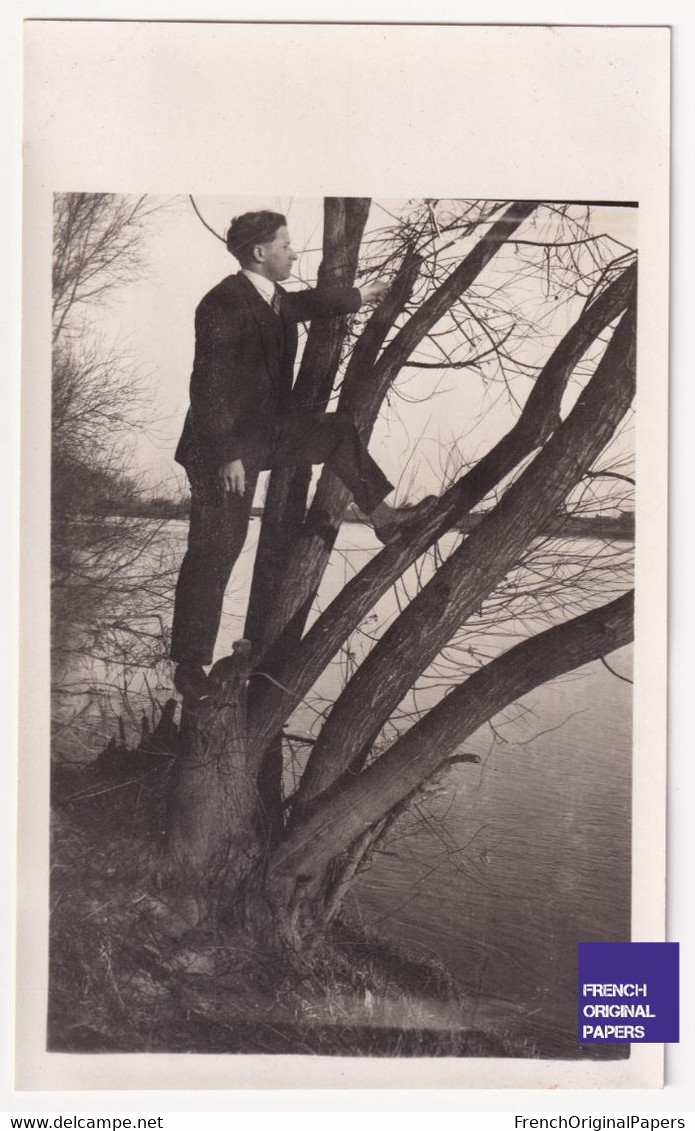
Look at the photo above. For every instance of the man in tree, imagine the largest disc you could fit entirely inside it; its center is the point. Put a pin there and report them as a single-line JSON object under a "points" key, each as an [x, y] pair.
{"points": [[241, 422]]}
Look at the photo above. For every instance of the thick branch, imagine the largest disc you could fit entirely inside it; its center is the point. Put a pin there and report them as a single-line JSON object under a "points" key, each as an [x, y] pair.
{"points": [[344, 222], [355, 804], [472, 572]]}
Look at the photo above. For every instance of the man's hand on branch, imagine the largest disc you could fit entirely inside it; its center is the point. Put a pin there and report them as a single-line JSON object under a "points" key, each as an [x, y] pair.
{"points": [[375, 291], [232, 477]]}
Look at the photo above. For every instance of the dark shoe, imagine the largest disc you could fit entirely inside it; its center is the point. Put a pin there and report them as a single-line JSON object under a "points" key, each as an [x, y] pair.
{"points": [[191, 681], [403, 518]]}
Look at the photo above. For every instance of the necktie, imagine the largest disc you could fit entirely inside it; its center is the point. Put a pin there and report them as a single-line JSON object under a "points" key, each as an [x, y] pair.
{"points": [[275, 301]]}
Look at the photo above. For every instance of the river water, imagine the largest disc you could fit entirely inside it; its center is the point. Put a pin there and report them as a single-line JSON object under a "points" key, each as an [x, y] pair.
{"points": [[522, 856]]}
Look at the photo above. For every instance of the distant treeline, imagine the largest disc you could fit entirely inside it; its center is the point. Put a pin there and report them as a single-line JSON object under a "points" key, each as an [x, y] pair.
{"points": [[77, 487], [620, 527]]}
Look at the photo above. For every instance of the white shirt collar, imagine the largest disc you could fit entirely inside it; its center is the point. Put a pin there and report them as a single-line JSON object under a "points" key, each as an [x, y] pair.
{"points": [[265, 287]]}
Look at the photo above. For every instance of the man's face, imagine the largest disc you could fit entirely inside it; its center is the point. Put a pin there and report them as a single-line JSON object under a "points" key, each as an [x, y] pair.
{"points": [[277, 256]]}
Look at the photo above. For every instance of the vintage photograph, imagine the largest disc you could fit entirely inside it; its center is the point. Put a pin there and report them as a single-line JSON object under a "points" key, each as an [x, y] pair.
{"points": [[342, 530], [344, 438]]}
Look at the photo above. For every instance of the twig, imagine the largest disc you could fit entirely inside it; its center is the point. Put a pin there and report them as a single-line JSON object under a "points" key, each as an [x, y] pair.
{"points": [[204, 222], [616, 674]]}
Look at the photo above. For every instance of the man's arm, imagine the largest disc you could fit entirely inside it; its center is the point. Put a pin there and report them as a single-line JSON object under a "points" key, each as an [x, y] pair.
{"points": [[325, 301]]}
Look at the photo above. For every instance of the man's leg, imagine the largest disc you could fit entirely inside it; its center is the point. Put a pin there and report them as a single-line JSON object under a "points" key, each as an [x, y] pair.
{"points": [[332, 439], [216, 536]]}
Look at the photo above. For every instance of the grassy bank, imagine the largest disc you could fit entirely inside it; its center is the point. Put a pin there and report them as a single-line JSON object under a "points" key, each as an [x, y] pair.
{"points": [[119, 983]]}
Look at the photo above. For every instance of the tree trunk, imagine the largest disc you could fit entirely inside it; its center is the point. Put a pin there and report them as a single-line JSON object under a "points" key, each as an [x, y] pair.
{"points": [[215, 834]]}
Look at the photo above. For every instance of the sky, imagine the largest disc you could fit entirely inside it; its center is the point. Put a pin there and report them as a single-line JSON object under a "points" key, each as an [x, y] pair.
{"points": [[438, 422]]}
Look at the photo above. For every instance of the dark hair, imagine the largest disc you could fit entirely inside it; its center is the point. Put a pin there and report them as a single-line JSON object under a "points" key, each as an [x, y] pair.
{"points": [[250, 229]]}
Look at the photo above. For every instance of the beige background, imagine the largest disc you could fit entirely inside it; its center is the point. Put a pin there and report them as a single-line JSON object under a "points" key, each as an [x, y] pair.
{"points": [[557, 113]]}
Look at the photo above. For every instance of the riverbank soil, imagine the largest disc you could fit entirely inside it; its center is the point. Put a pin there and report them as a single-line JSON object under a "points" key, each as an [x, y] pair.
{"points": [[121, 981]]}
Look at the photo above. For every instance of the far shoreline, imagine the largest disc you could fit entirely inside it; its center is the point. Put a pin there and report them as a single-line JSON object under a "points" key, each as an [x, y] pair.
{"points": [[618, 528]]}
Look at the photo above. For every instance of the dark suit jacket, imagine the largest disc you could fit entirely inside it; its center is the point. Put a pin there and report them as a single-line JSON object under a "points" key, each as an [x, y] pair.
{"points": [[243, 368]]}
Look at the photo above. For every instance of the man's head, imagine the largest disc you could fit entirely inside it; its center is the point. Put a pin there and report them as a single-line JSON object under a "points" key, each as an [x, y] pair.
{"points": [[261, 243]]}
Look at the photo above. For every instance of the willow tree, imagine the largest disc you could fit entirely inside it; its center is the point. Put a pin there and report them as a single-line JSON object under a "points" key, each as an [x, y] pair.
{"points": [[237, 845]]}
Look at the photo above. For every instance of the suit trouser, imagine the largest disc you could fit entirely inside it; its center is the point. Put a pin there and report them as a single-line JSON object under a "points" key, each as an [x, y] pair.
{"points": [[219, 523]]}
